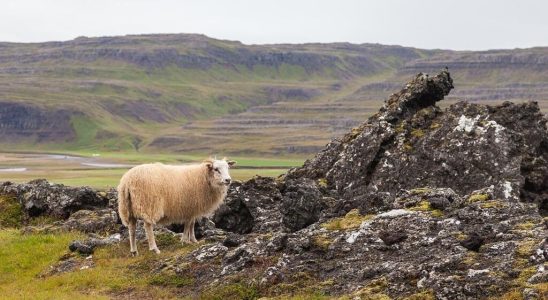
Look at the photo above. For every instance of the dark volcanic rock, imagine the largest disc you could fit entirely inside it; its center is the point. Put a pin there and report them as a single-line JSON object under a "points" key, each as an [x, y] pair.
{"points": [[411, 144], [251, 206], [39, 197], [473, 242], [300, 206]]}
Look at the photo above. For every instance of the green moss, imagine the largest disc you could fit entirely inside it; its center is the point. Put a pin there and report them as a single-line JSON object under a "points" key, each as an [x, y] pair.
{"points": [[408, 147], [374, 290], [425, 206], [435, 125], [11, 213], [471, 258], [322, 182], [400, 128], [322, 241], [418, 133], [478, 197], [231, 291], [528, 225], [419, 191], [424, 295], [493, 204], [351, 220], [525, 249]]}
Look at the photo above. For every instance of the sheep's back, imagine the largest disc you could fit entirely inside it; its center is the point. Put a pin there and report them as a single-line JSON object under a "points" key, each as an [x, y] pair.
{"points": [[163, 193]]}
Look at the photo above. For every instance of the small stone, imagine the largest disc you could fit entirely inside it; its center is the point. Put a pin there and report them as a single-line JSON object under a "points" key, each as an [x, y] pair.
{"points": [[473, 242], [391, 238]]}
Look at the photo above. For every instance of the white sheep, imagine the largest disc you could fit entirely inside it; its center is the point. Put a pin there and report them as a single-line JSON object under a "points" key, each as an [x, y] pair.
{"points": [[165, 194]]}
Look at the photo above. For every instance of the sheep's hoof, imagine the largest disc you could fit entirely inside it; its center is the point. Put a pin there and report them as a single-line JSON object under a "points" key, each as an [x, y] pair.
{"points": [[134, 253], [156, 250]]}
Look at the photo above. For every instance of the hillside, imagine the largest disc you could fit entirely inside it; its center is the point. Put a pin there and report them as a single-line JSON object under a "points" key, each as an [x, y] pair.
{"points": [[191, 93]]}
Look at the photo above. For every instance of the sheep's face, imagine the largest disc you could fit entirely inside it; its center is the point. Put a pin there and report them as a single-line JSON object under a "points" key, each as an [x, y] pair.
{"points": [[218, 169]]}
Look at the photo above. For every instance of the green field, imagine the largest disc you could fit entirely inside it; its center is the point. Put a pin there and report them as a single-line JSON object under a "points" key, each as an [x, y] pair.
{"points": [[73, 171]]}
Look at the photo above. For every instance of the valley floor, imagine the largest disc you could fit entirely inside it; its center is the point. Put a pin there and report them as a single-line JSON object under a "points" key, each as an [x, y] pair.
{"points": [[103, 171]]}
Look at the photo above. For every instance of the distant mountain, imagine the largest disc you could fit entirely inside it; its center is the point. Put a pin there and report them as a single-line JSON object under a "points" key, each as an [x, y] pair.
{"points": [[192, 93]]}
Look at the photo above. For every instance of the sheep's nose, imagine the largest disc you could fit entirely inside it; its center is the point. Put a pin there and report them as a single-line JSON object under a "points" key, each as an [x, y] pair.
{"points": [[227, 181]]}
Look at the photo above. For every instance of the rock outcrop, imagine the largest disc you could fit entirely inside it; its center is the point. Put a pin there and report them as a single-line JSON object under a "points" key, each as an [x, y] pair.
{"points": [[416, 202]]}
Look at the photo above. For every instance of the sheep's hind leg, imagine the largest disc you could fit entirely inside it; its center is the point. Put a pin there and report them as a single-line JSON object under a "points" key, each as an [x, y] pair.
{"points": [[191, 234], [150, 236], [187, 232], [132, 243]]}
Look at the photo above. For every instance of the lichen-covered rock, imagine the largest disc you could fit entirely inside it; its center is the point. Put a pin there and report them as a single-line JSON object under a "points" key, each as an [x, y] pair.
{"points": [[97, 221], [302, 204], [251, 206], [87, 246]]}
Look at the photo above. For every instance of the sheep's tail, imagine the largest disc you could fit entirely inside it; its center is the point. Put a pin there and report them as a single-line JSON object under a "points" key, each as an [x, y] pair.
{"points": [[124, 204]]}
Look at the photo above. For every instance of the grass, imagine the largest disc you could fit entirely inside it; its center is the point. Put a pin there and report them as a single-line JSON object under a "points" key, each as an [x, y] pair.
{"points": [[24, 257], [11, 213]]}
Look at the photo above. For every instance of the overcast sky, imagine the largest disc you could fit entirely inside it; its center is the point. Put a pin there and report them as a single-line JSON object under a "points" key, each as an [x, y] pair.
{"points": [[446, 24]]}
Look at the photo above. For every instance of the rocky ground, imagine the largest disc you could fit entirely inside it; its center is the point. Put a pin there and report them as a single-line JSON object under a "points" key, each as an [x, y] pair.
{"points": [[417, 202]]}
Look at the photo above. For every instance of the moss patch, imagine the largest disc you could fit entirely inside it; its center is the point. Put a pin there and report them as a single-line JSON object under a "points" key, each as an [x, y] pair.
{"points": [[322, 241], [322, 182], [478, 197], [374, 290], [301, 285], [11, 214], [424, 295], [525, 225], [425, 206], [492, 204], [420, 191], [351, 220], [231, 291], [418, 133], [525, 249]]}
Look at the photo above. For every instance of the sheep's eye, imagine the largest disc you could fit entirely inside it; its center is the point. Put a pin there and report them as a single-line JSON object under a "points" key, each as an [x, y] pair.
{"points": [[216, 169]]}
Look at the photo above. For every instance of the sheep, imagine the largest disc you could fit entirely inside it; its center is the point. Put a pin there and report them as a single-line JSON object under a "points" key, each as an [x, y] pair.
{"points": [[165, 194]]}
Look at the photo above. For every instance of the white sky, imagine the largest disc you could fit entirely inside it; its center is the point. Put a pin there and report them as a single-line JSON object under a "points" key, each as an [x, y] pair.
{"points": [[446, 24]]}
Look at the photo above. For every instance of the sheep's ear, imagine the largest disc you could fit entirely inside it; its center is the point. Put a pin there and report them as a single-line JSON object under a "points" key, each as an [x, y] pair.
{"points": [[209, 164], [231, 163]]}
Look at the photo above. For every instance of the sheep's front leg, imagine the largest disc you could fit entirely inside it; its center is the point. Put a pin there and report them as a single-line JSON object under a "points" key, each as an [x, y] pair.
{"points": [[150, 236], [132, 243], [191, 235]]}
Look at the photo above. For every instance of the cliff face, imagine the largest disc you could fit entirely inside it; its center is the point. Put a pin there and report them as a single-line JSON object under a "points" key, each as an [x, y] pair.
{"points": [[21, 122], [416, 202]]}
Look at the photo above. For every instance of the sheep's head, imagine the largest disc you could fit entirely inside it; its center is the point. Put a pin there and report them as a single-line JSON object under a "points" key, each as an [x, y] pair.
{"points": [[218, 171]]}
